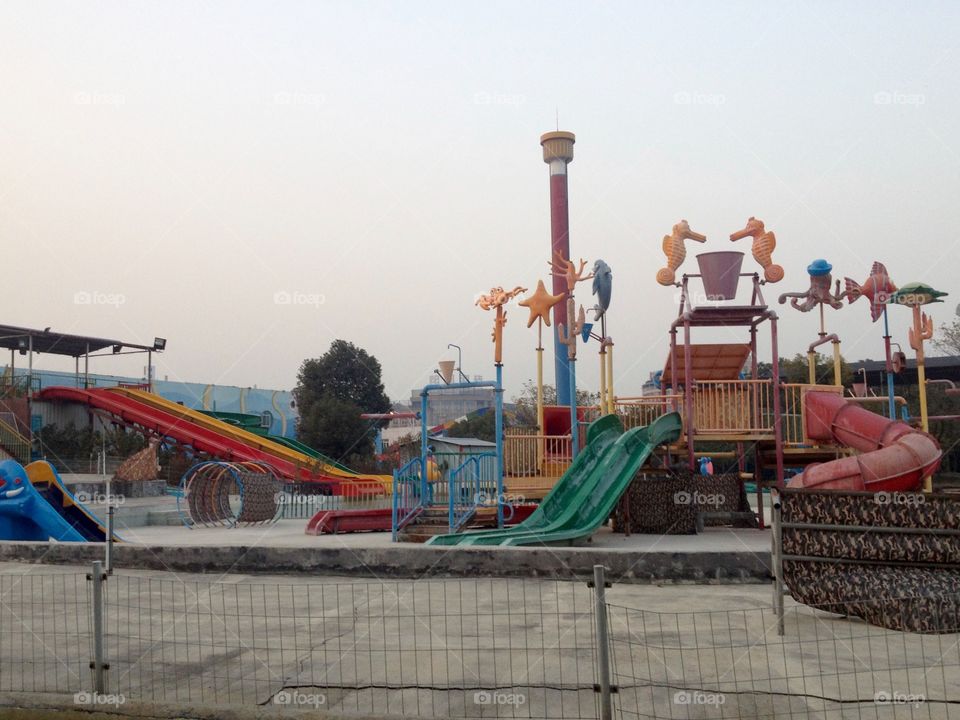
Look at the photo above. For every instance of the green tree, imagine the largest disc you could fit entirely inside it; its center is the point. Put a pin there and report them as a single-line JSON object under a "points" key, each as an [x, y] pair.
{"points": [[525, 411], [482, 427], [946, 338], [332, 391], [796, 370], [335, 428]]}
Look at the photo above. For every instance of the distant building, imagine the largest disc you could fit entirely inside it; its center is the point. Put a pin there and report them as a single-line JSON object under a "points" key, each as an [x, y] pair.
{"points": [[446, 405]]}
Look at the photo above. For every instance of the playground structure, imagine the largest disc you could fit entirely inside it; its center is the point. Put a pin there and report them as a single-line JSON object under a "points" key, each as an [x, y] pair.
{"points": [[712, 392], [216, 493], [36, 505]]}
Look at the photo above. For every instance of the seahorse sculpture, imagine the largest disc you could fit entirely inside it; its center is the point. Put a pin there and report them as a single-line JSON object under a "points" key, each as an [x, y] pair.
{"points": [[764, 243], [561, 267], [819, 291], [676, 251]]}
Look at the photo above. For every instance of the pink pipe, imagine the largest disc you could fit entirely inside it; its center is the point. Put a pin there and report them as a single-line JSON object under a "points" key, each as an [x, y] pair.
{"points": [[894, 456]]}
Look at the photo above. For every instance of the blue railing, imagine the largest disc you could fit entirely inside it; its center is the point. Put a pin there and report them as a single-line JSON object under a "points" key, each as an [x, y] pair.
{"points": [[407, 494], [472, 485]]}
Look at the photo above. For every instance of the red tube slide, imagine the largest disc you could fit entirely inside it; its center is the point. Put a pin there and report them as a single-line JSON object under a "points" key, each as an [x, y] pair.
{"points": [[893, 457]]}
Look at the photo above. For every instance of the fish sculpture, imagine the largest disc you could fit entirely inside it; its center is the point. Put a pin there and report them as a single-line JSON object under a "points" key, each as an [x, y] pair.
{"points": [[602, 286], [676, 251], [877, 289]]}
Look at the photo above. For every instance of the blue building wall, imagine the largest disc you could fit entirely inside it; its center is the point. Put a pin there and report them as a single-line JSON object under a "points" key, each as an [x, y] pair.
{"points": [[198, 396]]}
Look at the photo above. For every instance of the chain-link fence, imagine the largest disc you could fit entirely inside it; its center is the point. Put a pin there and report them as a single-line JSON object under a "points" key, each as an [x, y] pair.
{"points": [[448, 648], [734, 664]]}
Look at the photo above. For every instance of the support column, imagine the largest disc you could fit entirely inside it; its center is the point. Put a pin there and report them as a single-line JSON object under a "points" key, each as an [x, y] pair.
{"points": [[558, 153]]}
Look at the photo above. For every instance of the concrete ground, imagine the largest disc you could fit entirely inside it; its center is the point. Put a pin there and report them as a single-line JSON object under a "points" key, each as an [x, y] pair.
{"points": [[462, 647], [290, 533]]}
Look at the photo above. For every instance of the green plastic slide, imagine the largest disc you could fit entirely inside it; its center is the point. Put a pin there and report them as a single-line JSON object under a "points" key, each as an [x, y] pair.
{"points": [[601, 434], [584, 497]]}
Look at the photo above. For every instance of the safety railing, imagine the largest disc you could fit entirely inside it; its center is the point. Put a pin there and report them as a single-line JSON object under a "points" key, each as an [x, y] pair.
{"points": [[536, 455], [733, 406], [297, 502], [472, 485], [407, 494], [643, 410], [16, 445]]}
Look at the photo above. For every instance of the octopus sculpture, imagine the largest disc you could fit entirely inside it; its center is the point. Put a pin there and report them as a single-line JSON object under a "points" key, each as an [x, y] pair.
{"points": [[819, 292]]}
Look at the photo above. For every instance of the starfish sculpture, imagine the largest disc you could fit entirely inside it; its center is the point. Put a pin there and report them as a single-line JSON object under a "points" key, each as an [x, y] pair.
{"points": [[540, 304]]}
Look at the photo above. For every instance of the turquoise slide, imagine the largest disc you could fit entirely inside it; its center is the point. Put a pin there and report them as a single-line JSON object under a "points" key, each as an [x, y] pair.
{"points": [[584, 497]]}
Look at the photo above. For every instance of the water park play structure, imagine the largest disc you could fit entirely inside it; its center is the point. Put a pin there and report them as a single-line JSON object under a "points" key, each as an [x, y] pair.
{"points": [[581, 458], [36, 505]]}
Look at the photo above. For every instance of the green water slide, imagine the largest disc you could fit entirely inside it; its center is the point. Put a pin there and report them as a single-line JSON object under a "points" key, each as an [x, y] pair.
{"points": [[253, 423], [584, 497]]}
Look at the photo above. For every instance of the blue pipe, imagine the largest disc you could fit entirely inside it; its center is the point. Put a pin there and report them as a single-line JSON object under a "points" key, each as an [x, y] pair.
{"points": [[423, 446], [892, 412], [498, 429], [562, 367], [574, 425]]}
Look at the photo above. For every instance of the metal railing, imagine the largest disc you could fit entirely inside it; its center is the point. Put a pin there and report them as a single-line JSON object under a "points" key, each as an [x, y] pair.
{"points": [[472, 485], [733, 664], [407, 494], [14, 443], [535, 455], [450, 648], [643, 410]]}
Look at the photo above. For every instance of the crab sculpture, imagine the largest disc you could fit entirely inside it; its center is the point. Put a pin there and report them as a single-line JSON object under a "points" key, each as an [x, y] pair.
{"points": [[819, 292]]}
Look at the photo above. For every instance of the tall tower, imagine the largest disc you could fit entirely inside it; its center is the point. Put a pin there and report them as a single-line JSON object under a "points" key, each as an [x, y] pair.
{"points": [[558, 153]]}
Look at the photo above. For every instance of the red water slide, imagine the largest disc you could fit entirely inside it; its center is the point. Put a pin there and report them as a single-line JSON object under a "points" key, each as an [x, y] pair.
{"points": [[893, 457], [131, 412]]}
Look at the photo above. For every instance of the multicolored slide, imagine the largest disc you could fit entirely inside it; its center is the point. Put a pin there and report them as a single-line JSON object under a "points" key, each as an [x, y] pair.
{"points": [[209, 435], [36, 505], [584, 497]]}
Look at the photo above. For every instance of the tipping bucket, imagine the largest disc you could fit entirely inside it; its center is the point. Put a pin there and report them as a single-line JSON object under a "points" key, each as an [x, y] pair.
{"points": [[721, 273], [446, 370]]}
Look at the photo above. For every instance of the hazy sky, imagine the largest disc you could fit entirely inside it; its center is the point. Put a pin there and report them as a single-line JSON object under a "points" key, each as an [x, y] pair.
{"points": [[169, 168]]}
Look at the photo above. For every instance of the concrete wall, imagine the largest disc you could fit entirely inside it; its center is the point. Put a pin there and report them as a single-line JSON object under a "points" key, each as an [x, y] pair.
{"points": [[413, 561]]}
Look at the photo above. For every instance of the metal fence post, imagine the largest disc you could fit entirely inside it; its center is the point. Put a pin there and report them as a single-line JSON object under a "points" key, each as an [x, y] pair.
{"points": [[97, 664], [108, 559], [603, 642], [777, 536]]}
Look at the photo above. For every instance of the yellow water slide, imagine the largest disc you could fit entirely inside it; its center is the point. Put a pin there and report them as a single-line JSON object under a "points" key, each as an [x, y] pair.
{"points": [[240, 435]]}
